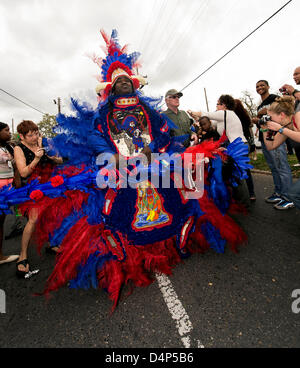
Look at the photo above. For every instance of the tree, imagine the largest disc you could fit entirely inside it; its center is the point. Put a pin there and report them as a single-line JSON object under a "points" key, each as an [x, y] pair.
{"points": [[250, 105], [46, 126]]}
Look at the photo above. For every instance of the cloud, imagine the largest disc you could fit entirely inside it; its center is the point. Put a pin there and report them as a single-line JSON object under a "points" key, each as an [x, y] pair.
{"points": [[43, 46]]}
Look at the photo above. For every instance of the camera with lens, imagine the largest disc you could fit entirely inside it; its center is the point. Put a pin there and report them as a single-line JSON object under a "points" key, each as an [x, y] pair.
{"points": [[263, 120], [284, 91]]}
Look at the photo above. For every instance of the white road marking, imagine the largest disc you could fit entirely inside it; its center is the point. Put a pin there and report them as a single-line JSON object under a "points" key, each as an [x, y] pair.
{"points": [[178, 313]]}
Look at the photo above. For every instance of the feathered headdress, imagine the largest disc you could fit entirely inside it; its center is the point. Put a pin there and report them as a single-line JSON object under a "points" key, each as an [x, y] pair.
{"points": [[117, 63]]}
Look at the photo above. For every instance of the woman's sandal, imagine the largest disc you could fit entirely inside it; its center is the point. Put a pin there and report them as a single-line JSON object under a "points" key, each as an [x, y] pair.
{"points": [[22, 274]]}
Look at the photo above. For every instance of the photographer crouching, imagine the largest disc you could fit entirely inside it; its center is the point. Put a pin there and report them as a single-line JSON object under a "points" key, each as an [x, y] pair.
{"points": [[276, 130]]}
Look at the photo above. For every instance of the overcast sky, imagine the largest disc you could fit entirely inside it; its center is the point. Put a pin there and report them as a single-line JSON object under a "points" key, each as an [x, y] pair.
{"points": [[43, 47]]}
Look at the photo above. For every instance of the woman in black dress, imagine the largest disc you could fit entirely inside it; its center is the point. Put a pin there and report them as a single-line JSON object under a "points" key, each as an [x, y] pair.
{"points": [[30, 159]]}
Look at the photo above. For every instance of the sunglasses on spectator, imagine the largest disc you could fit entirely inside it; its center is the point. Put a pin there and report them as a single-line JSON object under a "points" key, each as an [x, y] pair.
{"points": [[174, 97]]}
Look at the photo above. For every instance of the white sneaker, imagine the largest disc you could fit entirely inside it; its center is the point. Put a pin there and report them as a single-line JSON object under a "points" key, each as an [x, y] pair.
{"points": [[284, 205]]}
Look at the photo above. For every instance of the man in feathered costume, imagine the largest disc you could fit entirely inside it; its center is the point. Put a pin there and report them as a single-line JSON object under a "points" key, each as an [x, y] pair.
{"points": [[111, 235]]}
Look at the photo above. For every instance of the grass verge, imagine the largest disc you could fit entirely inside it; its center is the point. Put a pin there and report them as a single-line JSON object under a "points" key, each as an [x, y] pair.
{"points": [[260, 164]]}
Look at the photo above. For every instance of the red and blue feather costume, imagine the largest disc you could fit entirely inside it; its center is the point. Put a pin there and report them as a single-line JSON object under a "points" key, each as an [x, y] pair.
{"points": [[111, 236]]}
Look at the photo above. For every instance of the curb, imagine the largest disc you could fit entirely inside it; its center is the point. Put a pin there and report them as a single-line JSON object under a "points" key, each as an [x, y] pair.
{"points": [[263, 172], [255, 171]]}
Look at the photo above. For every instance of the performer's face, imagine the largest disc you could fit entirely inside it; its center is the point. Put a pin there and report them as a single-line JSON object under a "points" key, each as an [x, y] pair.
{"points": [[123, 86]]}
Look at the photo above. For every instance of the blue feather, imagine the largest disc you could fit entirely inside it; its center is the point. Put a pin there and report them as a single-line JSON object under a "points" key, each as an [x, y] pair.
{"points": [[87, 273], [217, 189], [57, 238], [238, 151], [213, 237]]}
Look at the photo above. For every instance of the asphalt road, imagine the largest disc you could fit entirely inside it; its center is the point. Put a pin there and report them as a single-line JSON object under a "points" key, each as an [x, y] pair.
{"points": [[232, 301]]}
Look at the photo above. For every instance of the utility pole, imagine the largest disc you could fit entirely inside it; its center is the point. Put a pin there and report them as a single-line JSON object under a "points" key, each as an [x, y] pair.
{"points": [[58, 104], [206, 100], [12, 126]]}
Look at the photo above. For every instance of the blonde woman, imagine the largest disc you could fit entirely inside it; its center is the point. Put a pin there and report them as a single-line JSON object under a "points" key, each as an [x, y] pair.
{"points": [[288, 126]]}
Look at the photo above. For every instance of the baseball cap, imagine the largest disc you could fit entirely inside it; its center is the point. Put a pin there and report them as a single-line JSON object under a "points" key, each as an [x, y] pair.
{"points": [[173, 92]]}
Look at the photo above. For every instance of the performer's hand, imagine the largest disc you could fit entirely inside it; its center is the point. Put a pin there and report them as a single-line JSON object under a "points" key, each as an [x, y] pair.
{"points": [[147, 152]]}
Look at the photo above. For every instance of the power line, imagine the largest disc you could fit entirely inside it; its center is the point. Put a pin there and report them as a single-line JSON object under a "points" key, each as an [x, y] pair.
{"points": [[167, 41], [177, 42], [25, 103], [244, 39], [149, 37]]}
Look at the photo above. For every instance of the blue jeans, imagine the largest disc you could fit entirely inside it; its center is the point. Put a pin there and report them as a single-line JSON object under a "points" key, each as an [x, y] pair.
{"points": [[294, 194], [277, 161]]}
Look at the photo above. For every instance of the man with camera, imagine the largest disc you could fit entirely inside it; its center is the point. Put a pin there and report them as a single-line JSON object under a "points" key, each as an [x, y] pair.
{"points": [[290, 90], [277, 159]]}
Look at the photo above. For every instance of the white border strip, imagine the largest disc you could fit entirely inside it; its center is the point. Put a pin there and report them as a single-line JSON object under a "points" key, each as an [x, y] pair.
{"points": [[178, 313]]}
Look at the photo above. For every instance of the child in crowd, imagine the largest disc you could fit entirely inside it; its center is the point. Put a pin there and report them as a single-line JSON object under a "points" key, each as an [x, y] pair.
{"points": [[206, 130]]}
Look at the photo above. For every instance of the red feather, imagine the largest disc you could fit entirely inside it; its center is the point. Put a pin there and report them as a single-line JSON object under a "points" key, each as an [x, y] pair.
{"points": [[81, 241]]}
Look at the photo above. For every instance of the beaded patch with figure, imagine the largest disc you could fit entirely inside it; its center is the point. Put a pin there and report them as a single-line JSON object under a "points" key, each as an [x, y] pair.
{"points": [[129, 131], [150, 210]]}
